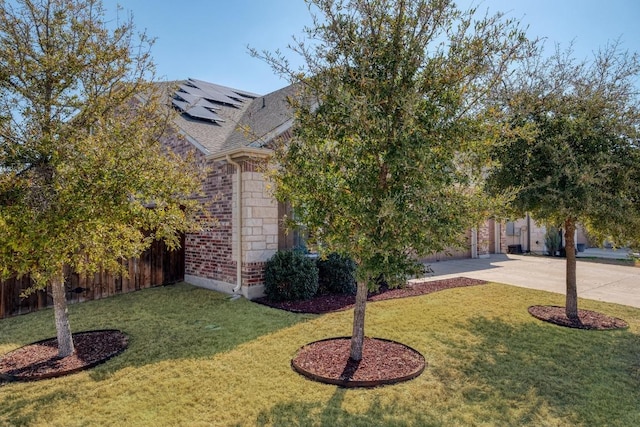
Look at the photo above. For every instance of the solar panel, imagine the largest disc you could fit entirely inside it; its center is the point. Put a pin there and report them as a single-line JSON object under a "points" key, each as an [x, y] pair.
{"points": [[180, 104], [204, 103], [200, 99], [203, 113], [211, 95], [213, 89], [193, 100], [187, 96], [231, 93], [194, 91]]}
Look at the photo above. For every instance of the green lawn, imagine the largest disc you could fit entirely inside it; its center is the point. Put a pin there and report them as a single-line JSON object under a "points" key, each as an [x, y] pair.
{"points": [[197, 358]]}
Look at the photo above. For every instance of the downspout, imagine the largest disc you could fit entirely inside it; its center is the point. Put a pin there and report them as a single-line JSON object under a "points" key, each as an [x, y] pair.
{"points": [[238, 286]]}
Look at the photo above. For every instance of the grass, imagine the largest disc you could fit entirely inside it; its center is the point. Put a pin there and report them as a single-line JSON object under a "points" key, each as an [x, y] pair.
{"points": [[197, 358], [627, 262]]}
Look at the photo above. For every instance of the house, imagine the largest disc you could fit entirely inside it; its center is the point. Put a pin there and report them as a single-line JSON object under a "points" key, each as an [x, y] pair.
{"points": [[229, 131]]}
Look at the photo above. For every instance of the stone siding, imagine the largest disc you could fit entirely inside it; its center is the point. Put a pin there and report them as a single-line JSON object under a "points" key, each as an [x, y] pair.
{"points": [[259, 223], [484, 239], [503, 237]]}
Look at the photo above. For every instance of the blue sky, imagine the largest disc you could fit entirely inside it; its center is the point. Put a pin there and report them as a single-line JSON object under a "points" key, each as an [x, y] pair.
{"points": [[207, 39]]}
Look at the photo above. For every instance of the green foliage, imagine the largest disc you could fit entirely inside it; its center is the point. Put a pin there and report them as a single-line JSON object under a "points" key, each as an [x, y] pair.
{"points": [[84, 180], [569, 152], [387, 147], [569, 146], [290, 275], [387, 150], [552, 240], [336, 274]]}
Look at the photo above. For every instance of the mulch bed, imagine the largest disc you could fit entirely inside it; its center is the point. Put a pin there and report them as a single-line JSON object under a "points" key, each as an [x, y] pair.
{"points": [[40, 360], [586, 319], [383, 362], [329, 303]]}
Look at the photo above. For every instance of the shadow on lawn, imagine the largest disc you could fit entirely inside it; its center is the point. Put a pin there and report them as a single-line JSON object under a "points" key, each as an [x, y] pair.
{"points": [[214, 324], [164, 323], [332, 414], [19, 411], [583, 377]]}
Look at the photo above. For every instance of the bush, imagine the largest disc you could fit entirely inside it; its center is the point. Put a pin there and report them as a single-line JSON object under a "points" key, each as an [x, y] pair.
{"points": [[289, 275], [337, 275], [552, 240]]}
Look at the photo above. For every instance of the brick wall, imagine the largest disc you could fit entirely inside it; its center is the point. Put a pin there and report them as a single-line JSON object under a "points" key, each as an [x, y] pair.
{"points": [[253, 273], [211, 254]]}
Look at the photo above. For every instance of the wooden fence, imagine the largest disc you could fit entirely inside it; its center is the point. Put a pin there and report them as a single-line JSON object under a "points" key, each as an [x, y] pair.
{"points": [[157, 266]]}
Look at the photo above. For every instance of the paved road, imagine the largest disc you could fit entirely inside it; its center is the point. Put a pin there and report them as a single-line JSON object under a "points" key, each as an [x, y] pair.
{"points": [[603, 282]]}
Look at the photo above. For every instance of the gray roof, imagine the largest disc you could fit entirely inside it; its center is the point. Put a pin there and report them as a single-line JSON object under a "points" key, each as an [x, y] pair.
{"points": [[221, 119]]}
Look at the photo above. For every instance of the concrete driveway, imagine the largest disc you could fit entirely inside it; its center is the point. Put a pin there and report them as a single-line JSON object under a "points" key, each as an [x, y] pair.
{"points": [[602, 282]]}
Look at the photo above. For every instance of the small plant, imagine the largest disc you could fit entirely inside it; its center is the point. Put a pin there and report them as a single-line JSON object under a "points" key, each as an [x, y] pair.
{"points": [[552, 240], [336, 275], [290, 275]]}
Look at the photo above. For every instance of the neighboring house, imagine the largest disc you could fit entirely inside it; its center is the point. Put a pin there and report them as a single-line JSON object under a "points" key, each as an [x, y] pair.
{"points": [[488, 238], [523, 235], [526, 235], [228, 130]]}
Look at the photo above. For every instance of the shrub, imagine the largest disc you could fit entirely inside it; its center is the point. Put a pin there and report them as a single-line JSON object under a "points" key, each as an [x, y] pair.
{"points": [[552, 240], [336, 275], [289, 275]]}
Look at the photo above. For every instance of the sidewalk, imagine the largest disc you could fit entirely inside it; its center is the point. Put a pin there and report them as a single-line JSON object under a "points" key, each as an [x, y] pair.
{"points": [[602, 282]]}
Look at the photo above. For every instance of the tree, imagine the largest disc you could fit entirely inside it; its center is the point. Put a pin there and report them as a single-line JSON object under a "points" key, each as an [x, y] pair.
{"points": [[569, 149], [84, 181], [383, 162]]}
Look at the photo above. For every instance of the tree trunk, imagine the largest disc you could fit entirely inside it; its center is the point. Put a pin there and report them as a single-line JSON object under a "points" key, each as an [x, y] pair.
{"points": [[1, 299], [63, 329], [571, 308], [357, 338]]}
